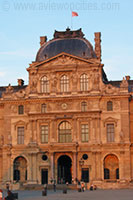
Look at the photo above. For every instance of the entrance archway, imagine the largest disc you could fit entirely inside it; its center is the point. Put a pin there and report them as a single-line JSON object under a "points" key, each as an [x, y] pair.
{"points": [[111, 167], [64, 169], [20, 169]]}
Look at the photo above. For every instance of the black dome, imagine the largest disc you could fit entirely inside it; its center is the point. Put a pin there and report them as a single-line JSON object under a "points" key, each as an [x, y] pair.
{"points": [[72, 43]]}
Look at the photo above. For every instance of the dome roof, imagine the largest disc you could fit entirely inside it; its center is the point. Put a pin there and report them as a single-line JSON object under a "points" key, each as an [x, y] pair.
{"points": [[71, 42]]}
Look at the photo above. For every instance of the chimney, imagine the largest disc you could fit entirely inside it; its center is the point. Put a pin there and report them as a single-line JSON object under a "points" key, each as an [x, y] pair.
{"points": [[20, 82], [43, 39], [127, 78], [98, 45]]}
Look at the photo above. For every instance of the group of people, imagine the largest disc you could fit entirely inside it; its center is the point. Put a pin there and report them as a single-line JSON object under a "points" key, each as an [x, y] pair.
{"points": [[9, 196], [93, 187], [81, 186]]}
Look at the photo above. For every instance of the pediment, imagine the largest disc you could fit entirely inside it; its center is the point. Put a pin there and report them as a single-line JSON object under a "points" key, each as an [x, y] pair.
{"points": [[110, 120], [67, 59]]}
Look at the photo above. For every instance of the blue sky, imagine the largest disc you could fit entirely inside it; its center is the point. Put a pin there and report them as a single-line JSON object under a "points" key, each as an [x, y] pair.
{"points": [[22, 22]]}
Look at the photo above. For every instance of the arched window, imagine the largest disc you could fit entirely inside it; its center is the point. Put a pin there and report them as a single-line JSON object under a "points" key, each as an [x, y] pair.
{"points": [[64, 132], [64, 83], [111, 167], [110, 132], [83, 106], [44, 84], [43, 108], [109, 106], [84, 82], [20, 169], [20, 109]]}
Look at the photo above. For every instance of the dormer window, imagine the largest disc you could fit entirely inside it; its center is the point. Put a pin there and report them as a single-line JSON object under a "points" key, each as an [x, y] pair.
{"points": [[20, 109]]}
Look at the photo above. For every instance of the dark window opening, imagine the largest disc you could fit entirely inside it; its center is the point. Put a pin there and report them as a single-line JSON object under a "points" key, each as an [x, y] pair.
{"points": [[106, 173]]}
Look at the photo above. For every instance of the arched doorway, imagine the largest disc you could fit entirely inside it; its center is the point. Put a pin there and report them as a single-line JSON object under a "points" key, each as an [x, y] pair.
{"points": [[111, 167], [20, 169], [64, 169]]}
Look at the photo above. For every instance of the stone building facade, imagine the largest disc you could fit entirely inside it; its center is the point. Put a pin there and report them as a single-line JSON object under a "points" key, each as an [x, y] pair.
{"points": [[69, 123]]}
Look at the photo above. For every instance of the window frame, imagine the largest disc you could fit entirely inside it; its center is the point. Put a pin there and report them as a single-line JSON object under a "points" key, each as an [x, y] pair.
{"points": [[64, 83], [109, 106], [44, 133], [83, 106], [43, 108], [20, 109], [84, 83], [109, 133], [85, 132], [44, 83], [64, 133], [20, 135]]}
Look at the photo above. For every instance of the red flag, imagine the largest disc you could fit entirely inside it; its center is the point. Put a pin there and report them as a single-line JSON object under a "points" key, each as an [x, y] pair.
{"points": [[74, 14]]}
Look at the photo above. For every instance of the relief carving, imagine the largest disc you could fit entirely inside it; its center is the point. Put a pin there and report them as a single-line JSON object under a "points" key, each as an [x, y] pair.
{"points": [[74, 79], [14, 109], [54, 83]]}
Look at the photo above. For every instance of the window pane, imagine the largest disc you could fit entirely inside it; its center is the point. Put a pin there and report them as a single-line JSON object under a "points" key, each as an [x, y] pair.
{"points": [[44, 84], [20, 134], [84, 133], [20, 109], [109, 106], [44, 134], [84, 82], [83, 106], [43, 108], [65, 132], [64, 84], [110, 132]]}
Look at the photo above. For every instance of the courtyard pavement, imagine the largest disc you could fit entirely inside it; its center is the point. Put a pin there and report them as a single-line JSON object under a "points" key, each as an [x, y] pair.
{"points": [[123, 194]]}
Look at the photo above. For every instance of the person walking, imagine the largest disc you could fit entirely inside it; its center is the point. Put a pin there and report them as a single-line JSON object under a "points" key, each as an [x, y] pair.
{"points": [[10, 196], [1, 194], [54, 185]]}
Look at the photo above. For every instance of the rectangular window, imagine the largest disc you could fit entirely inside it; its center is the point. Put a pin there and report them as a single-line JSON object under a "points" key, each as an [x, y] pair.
{"points": [[43, 108], [84, 132], [110, 132], [20, 133], [44, 134]]}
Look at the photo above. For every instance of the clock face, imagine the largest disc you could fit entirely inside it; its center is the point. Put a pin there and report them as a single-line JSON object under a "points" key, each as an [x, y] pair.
{"points": [[64, 106]]}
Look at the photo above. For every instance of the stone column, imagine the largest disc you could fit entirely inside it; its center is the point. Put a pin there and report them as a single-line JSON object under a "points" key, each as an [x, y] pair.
{"points": [[52, 165], [75, 166], [30, 168], [34, 168]]}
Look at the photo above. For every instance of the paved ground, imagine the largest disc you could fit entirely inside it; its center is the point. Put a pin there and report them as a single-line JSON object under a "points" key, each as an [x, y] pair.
{"points": [[123, 194]]}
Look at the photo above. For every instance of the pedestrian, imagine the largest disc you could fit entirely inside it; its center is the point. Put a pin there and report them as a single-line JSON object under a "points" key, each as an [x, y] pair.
{"points": [[7, 186], [54, 185], [67, 183], [10, 196], [1, 194], [91, 187], [82, 186], [95, 187]]}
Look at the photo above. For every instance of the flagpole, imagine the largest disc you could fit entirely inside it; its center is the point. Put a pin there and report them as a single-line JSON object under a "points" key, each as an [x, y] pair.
{"points": [[71, 21]]}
